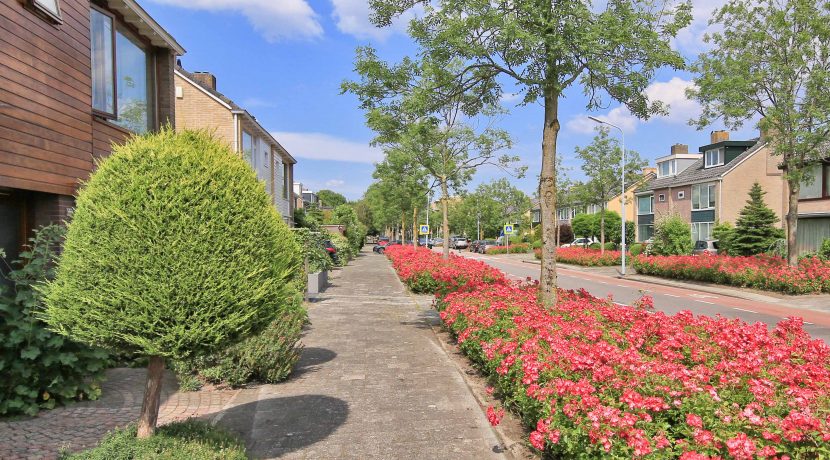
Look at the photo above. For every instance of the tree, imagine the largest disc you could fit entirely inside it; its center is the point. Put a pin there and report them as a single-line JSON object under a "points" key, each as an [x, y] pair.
{"points": [[755, 228], [402, 187], [400, 108], [601, 164], [174, 250], [724, 232], [544, 48], [492, 204], [772, 59], [672, 236], [331, 199]]}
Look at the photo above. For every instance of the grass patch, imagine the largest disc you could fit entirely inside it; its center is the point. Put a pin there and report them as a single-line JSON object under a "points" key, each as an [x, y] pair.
{"points": [[186, 440]]}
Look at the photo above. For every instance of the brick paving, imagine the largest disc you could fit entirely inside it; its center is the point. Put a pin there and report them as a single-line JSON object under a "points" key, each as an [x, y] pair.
{"points": [[372, 382]]}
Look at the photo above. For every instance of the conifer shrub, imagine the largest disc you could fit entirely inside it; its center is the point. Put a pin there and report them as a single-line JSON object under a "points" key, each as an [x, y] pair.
{"points": [[174, 251], [755, 230]]}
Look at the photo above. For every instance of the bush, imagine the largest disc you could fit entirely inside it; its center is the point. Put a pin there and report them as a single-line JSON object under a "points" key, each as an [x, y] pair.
{"points": [[536, 244], [514, 249], [590, 257], [174, 251], [187, 440], [724, 232], [566, 233], [40, 369], [754, 229], [345, 252], [267, 357], [636, 249], [313, 246], [426, 272], [824, 250], [672, 236]]}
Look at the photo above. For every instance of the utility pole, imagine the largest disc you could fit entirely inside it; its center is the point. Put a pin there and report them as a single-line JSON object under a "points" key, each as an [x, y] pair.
{"points": [[622, 194]]}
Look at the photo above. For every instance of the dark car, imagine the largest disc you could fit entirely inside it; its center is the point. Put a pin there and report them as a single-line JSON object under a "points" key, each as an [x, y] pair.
{"points": [[474, 245], [381, 249]]}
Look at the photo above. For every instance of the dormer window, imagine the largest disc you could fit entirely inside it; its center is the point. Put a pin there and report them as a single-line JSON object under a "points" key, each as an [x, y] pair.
{"points": [[666, 168], [714, 157]]}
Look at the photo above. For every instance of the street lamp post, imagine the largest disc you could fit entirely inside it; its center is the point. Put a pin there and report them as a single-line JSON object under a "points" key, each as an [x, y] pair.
{"points": [[622, 180]]}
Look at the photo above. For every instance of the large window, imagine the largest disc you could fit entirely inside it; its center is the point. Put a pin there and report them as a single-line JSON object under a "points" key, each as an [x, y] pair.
{"points": [[666, 168], [645, 232], [645, 204], [702, 231], [122, 83], [134, 82], [819, 184], [703, 196], [714, 157], [50, 7], [247, 146], [102, 31]]}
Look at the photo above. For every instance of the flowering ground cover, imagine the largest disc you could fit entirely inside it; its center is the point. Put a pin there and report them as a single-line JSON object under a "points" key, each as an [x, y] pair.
{"points": [[592, 379], [514, 249], [761, 272], [426, 272], [585, 256]]}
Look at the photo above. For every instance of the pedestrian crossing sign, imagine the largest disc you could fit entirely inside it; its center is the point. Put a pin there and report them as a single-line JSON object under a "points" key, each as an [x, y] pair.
{"points": [[424, 230], [508, 229]]}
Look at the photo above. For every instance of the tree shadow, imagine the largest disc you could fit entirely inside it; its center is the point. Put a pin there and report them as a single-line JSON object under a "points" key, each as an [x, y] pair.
{"points": [[285, 424], [427, 319], [310, 360]]}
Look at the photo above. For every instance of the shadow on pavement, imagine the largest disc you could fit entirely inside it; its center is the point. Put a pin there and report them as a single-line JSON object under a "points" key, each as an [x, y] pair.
{"points": [[310, 360], [277, 426]]}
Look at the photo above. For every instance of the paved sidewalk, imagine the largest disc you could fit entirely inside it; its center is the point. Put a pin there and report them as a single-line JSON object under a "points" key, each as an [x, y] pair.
{"points": [[373, 382]]}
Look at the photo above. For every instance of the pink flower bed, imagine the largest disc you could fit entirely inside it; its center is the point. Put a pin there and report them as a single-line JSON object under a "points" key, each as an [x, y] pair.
{"points": [[596, 380], [426, 272], [585, 256], [812, 275]]}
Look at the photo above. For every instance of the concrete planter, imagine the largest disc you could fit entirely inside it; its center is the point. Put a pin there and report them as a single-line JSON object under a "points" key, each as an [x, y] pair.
{"points": [[317, 282]]}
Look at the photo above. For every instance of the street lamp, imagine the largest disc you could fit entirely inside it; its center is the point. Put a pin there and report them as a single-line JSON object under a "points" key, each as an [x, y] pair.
{"points": [[622, 180]]}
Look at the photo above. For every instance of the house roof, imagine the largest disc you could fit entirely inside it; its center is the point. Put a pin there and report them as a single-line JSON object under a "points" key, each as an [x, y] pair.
{"points": [[235, 108], [696, 173], [135, 15]]}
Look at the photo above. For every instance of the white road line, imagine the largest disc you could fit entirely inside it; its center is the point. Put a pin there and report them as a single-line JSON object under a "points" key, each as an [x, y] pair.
{"points": [[672, 295], [620, 304], [809, 323], [703, 301], [621, 285], [742, 309]]}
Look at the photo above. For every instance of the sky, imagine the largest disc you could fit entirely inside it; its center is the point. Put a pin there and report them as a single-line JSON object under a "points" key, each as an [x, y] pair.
{"points": [[284, 61]]}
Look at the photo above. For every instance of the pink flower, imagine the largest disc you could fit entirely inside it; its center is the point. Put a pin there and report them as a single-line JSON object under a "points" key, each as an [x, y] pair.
{"points": [[741, 447], [494, 416], [694, 420], [537, 440]]}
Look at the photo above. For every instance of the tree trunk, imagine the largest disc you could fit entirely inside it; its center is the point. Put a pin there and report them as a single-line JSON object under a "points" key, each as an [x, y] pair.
{"points": [[547, 195], [415, 232], [602, 230], [792, 220], [445, 220], [152, 396], [403, 228]]}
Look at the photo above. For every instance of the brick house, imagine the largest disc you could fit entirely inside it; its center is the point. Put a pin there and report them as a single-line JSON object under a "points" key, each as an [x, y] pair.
{"points": [[76, 77], [200, 106], [710, 186]]}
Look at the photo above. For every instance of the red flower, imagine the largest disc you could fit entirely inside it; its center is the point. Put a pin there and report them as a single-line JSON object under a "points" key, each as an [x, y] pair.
{"points": [[494, 416]]}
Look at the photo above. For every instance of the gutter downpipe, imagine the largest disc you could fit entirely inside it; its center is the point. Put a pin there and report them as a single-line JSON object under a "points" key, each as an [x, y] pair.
{"points": [[235, 132]]}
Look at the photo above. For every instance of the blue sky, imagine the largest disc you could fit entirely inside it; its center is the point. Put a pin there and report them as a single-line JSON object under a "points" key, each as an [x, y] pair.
{"points": [[284, 60]]}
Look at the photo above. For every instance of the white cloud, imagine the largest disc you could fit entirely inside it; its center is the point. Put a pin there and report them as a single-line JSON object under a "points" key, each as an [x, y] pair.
{"points": [[672, 93], [275, 19], [509, 98], [335, 183], [352, 18], [320, 146], [690, 39]]}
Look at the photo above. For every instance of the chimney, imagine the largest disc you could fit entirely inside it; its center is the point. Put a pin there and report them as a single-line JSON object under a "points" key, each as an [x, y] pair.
{"points": [[679, 149], [206, 79], [719, 136]]}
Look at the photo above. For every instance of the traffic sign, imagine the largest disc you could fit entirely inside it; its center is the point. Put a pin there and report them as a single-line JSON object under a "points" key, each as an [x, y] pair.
{"points": [[508, 229], [424, 230]]}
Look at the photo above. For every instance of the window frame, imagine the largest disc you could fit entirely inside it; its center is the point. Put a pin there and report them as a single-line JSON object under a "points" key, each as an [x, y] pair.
{"points": [[95, 111], [711, 226], [672, 168], [651, 205], [661, 198], [54, 16], [709, 186], [681, 195], [721, 151], [151, 70], [824, 180], [640, 232]]}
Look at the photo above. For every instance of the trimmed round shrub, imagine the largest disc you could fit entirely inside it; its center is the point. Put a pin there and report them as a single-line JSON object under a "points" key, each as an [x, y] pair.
{"points": [[636, 249], [174, 251]]}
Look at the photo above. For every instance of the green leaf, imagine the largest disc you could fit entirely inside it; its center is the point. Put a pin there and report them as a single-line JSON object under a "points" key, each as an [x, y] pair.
{"points": [[30, 353]]}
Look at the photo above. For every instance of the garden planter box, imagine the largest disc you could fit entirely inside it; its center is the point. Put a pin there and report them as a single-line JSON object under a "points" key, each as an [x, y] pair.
{"points": [[317, 282]]}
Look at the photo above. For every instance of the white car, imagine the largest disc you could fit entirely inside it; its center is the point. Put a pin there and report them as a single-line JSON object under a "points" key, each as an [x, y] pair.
{"points": [[459, 242], [580, 242]]}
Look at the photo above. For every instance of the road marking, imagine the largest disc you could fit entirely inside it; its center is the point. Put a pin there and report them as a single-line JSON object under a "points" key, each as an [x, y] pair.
{"points": [[742, 309], [620, 304], [672, 295], [621, 285], [703, 296], [811, 324], [703, 301]]}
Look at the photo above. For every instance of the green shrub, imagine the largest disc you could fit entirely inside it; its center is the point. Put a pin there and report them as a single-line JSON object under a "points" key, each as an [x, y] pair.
{"points": [[724, 232], [267, 357], [594, 246], [672, 236], [755, 229], [345, 252], [824, 250], [174, 251], [313, 245], [636, 249], [536, 244], [39, 368], [187, 440]]}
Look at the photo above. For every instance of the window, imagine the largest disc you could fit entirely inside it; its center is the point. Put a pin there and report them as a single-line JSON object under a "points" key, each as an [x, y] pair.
{"points": [[645, 232], [681, 195], [286, 176], [666, 168], [132, 70], [247, 146], [563, 214], [102, 32], [661, 198], [702, 231], [714, 157], [645, 204], [703, 196], [819, 184], [51, 8]]}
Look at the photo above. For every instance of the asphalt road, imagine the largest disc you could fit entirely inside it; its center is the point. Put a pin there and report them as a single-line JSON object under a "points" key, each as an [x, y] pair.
{"points": [[668, 299]]}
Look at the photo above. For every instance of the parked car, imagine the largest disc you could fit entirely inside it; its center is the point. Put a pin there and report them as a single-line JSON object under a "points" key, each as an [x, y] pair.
{"points": [[705, 247], [579, 242], [332, 251], [438, 242], [380, 249], [459, 242], [474, 245], [487, 244], [383, 241]]}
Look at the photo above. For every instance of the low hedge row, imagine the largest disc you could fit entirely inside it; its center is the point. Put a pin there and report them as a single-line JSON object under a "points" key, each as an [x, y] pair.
{"points": [[585, 256]]}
